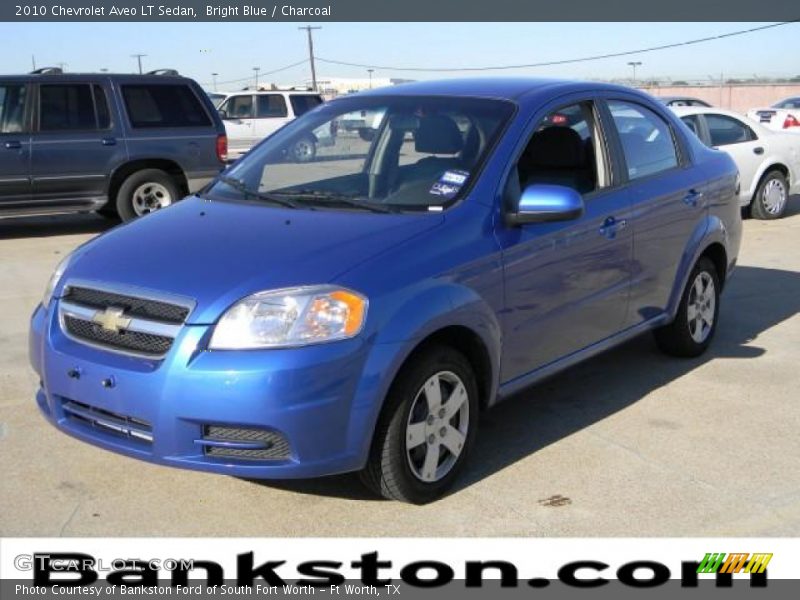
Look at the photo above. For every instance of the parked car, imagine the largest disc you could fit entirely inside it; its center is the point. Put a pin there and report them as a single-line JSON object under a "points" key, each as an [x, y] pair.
{"points": [[359, 312], [363, 122], [252, 115], [781, 116], [123, 145], [672, 101], [768, 161]]}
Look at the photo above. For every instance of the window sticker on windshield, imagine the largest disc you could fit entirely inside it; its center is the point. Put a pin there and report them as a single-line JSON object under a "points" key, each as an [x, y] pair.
{"points": [[449, 183]]}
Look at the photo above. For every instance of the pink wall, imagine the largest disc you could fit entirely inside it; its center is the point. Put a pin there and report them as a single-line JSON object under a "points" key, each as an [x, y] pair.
{"points": [[740, 98]]}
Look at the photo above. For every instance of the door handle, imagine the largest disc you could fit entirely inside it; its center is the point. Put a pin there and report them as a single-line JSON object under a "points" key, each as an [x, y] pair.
{"points": [[109, 141], [692, 198], [758, 150], [13, 145], [611, 226]]}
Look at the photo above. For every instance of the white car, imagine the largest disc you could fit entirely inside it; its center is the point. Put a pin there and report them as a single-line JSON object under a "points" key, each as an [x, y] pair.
{"points": [[781, 116], [768, 161], [251, 115]]}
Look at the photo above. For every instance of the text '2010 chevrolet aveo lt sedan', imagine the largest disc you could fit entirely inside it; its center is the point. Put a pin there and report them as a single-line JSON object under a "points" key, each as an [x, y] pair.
{"points": [[358, 312]]}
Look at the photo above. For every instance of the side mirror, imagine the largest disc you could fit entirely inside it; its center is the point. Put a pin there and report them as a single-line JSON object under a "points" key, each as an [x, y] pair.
{"points": [[542, 202], [223, 114]]}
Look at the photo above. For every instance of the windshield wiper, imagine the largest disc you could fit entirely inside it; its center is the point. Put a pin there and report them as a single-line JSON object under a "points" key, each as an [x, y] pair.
{"points": [[240, 186], [327, 198]]}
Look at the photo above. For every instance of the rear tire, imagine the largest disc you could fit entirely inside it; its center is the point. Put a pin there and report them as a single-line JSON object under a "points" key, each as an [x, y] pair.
{"points": [[694, 326], [144, 192], [431, 407], [771, 197], [303, 150]]}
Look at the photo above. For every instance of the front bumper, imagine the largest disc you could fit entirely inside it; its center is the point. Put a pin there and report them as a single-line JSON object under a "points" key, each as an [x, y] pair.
{"points": [[323, 400]]}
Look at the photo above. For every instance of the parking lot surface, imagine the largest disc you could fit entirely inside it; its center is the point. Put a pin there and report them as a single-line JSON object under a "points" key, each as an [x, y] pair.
{"points": [[631, 443]]}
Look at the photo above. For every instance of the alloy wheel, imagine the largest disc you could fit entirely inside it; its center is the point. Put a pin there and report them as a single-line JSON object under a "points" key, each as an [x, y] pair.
{"points": [[701, 307]]}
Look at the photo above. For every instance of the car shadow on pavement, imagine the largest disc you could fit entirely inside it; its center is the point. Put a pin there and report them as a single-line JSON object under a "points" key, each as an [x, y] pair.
{"points": [[755, 300], [54, 225]]}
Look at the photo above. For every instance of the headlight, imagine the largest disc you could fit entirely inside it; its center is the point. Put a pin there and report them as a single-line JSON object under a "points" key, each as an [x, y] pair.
{"points": [[290, 317], [54, 279]]}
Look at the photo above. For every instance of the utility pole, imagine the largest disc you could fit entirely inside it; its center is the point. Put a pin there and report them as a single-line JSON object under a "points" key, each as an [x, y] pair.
{"points": [[311, 55], [214, 77], [33, 61], [138, 57], [370, 71], [634, 64], [256, 69]]}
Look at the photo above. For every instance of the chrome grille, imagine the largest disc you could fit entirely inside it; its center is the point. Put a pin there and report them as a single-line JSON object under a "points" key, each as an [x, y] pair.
{"points": [[121, 322]]}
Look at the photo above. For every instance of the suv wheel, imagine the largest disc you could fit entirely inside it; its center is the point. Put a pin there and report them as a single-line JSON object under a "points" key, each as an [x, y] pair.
{"points": [[304, 150], [144, 192], [690, 333], [426, 429], [771, 197]]}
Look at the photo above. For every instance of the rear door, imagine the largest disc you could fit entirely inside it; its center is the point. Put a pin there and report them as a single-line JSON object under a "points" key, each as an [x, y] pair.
{"points": [[667, 194], [15, 143], [740, 141], [272, 113], [239, 120], [75, 144]]}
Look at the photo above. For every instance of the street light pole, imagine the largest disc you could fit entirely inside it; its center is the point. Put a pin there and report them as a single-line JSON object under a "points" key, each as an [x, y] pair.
{"points": [[311, 55], [370, 71], [634, 64], [214, 76], [256, 69], [138, 58]]}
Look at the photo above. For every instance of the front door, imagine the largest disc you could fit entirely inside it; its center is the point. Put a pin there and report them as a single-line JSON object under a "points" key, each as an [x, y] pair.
{"points": [[239, 112], [566, 282], [15, 145], [271, 114]]}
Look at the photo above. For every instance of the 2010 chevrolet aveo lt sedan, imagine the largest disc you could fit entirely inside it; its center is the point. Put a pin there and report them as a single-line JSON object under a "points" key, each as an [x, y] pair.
{"points": [[358, 312]]}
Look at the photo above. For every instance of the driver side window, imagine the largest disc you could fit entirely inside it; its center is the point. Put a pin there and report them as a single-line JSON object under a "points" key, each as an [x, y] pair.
{"points": [[239, 107], [565, 151]]}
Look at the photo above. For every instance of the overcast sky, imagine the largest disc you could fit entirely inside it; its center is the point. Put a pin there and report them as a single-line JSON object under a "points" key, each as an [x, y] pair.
{"points": [[232, 49]]}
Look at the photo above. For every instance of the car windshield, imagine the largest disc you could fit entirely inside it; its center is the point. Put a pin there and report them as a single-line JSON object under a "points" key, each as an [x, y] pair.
{"points": [[379, 154]]}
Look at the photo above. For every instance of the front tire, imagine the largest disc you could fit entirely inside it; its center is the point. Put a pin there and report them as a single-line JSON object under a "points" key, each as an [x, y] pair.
{"points": [[144, 192], [426, 428], [696, 322], [303, 150], [771, 197]]}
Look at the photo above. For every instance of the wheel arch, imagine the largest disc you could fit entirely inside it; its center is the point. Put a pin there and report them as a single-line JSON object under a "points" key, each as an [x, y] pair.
{"points": [[773, 165], [125, 170]]}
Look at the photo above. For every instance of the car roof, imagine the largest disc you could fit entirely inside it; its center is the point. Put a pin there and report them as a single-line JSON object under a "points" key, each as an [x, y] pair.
{"points": [[505, 88], [67, 77], [683, 111], [257, 92], [673, 98]]}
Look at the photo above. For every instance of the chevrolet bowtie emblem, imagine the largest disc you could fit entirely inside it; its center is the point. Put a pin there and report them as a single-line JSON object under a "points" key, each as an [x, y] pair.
{"points": [[112, 319]]}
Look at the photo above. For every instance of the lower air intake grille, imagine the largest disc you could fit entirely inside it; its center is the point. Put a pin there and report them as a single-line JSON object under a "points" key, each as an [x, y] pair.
{"points": [[145, 343], [107, 421], [273, 445]]}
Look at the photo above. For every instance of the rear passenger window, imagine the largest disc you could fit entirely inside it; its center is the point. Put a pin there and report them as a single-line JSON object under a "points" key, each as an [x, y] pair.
{"points": [[12, 108], [646, 139], [693, 123], [727, 130], [66, 107], [163, 105], [270, 106], [101, 105], [302, 104]]}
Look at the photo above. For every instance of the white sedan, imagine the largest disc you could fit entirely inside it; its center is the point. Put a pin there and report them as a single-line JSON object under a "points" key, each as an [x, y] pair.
{"points": [[781, 116], [768, 161]]}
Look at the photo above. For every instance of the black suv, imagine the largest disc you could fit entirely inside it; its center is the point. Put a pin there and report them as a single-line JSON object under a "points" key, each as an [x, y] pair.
{"points": [[123, 145]]}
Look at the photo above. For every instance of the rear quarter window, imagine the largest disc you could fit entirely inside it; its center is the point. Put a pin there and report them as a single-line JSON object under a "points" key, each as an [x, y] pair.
{"points": [[302, 104], [163, 105]]}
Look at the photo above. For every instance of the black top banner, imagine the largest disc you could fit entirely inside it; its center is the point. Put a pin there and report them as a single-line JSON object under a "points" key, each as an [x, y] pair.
{"points": [[402, 10]]}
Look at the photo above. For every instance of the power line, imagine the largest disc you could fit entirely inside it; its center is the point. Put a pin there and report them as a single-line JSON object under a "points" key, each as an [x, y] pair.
{"points": [[560, 62], [262, 73]]}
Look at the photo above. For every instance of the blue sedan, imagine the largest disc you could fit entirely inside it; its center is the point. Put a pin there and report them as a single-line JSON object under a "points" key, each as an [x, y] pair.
{"points": [[360, 311]]}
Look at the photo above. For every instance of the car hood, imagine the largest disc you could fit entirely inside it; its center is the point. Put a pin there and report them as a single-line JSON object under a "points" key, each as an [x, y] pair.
{"points": [[214, 253]]}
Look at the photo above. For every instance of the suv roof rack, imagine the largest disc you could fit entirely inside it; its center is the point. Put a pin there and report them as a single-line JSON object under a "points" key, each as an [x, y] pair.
{"points": [[47, 71], [172, 72]]}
